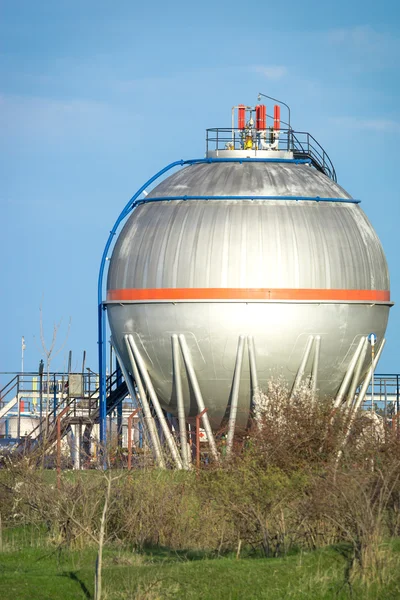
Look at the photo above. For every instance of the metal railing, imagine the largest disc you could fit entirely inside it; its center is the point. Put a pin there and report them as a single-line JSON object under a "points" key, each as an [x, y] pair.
{"points": [[37, 390], [10, 390], [301, 143], [384, 397], [86, 405], [44, 398]]}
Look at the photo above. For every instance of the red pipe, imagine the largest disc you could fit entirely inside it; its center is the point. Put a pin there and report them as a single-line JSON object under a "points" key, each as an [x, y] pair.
{"points": [[261, 116], [241, 116], [277, 117]]}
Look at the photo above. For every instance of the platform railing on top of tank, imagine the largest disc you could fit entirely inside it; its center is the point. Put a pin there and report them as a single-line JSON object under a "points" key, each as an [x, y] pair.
{"points": [[301, 143]]}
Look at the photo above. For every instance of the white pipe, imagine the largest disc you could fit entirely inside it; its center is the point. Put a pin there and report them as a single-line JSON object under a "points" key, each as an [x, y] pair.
{"points": [[367, 380], [253, 365], [350, 370], [148, 417], [176, 361], [314, 373], [147, 381], [235, 395], [198, 396], [154, 443], [360, 398], [302, 366], [357, 375]]}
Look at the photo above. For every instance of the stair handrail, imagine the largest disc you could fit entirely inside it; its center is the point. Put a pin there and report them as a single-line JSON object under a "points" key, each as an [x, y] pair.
{"points": [[15, 379], [316, 152]]}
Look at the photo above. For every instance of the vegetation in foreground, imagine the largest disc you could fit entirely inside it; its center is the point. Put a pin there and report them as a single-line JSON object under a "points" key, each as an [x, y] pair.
{"points": [[282, 517]]}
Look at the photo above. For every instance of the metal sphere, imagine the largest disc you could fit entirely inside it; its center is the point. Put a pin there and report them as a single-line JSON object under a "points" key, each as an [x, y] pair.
{"points": [[278, 270]]}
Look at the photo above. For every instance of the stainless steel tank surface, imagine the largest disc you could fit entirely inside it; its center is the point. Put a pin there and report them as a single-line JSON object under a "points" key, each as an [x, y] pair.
{"points": [[278, 270]]}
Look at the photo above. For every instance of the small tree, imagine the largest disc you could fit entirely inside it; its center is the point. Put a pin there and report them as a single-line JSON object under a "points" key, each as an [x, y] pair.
{"points": [[49, 352]]}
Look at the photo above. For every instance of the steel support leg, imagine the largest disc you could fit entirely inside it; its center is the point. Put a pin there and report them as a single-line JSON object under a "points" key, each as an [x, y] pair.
{"points": [[360, 399], [176, 361], [357, 375], [367, 380], [235, 395], [253, 366], [199, 397], [148, 417], [161, 418], [302, 366], [314, 373], [349, 373]]}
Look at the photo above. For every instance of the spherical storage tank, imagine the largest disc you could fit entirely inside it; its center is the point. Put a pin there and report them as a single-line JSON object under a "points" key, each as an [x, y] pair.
{"points": [[255, 247]]}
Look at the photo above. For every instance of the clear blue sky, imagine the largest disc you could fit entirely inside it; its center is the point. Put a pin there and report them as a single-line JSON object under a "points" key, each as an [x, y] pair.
{"points": [[96, 96]]}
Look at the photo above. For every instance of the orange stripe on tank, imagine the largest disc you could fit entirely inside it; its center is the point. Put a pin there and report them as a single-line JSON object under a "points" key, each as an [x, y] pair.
{"points": [[182, 294]]}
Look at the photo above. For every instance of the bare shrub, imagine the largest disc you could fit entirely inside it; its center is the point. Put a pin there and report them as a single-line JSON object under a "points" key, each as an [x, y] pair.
{"points": [[295, 432], [258, 504], [355, 506], [165, 509], [281, 489]]}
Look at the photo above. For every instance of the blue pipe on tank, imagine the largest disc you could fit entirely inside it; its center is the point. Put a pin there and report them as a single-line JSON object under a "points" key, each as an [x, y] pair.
{"points": [[101, 307]]}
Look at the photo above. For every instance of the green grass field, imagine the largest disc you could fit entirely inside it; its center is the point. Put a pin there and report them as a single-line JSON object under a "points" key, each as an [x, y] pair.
{"points": [[32, 570]]}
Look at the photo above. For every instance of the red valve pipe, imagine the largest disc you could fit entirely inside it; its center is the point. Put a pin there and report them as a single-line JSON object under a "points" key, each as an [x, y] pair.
{"points": [[277, 117], [241, 116], [261, 116]]}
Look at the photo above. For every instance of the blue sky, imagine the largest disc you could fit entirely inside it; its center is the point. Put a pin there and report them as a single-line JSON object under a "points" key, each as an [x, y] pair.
{"points": [[95, 97]]}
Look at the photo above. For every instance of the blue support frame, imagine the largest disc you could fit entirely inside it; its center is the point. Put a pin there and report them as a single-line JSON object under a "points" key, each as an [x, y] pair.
{"points": [[101, 306], [119, 407], [133, 203]]}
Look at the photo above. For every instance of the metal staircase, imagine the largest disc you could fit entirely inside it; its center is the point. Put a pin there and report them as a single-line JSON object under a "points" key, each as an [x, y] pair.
{"points": [[72, 395], [11, 388], [7, 407], [304, 145]]}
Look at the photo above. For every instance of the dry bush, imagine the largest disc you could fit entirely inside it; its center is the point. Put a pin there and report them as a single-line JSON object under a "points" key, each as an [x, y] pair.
{"points": [[293, 433], [354, 505], [70, 514], [324, 501], [258, 505], [165, 509], [281, 489]]}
